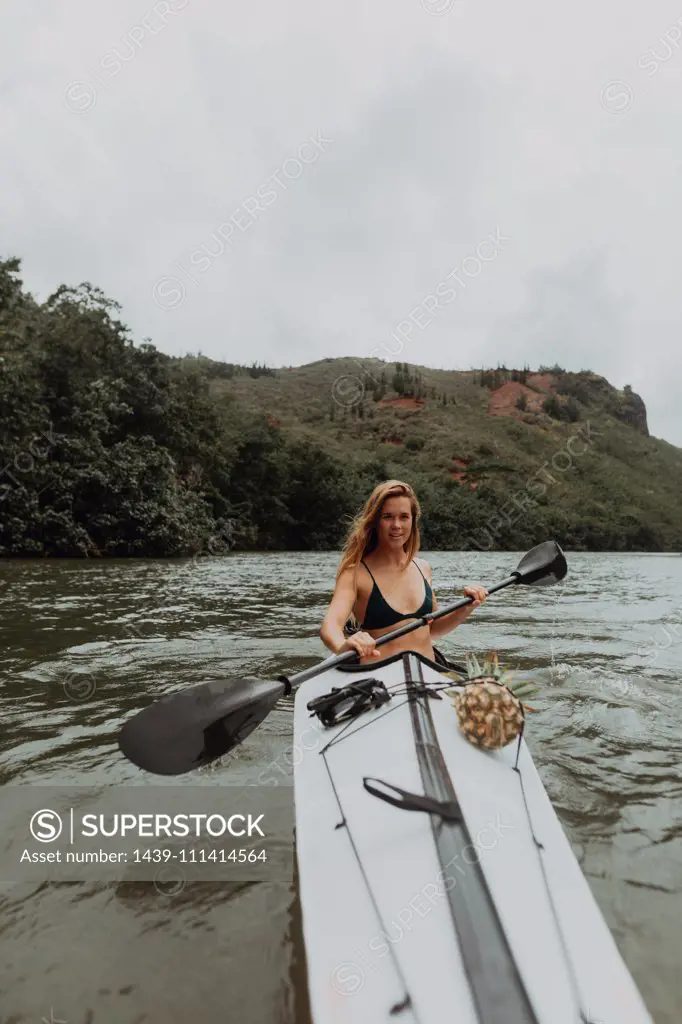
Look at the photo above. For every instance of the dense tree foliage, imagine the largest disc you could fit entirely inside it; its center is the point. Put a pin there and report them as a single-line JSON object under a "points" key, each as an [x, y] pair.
{"points": [[107, 448]]}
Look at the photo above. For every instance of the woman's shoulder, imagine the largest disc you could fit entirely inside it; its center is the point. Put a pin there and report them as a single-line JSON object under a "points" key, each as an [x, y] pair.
{"points": [[353, 576], [424, 566]]}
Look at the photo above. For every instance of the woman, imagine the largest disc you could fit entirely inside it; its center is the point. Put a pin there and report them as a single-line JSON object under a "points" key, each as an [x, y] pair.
{"points": [[383, 584]]}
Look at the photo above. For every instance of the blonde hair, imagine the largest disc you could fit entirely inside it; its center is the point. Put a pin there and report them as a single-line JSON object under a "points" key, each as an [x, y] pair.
{"points": [[362, 536]]}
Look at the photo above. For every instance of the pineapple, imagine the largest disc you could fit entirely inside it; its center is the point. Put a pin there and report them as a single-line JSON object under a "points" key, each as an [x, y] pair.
{"points": [[489, 710]]}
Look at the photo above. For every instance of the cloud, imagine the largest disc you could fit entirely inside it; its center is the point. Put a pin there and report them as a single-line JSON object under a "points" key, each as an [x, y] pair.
{"points": [[138, 133]]}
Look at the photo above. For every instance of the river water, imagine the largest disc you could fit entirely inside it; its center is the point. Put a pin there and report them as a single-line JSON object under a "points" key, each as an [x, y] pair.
{"points": [[85, 644]]}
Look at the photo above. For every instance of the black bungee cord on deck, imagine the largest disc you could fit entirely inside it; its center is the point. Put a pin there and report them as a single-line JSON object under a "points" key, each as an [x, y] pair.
{"points": [[406, 1001], [373, 695]]}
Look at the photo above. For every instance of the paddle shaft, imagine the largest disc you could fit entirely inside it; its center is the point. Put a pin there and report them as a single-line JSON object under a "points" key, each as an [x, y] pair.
{"points": [[409, 627], [183, 731]]}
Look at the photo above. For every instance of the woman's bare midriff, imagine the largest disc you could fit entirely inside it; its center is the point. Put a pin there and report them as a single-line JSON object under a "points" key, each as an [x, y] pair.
{"points": [[418, 640]]}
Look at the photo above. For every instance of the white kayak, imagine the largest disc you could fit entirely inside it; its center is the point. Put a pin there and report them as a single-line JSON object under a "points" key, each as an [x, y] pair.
{"points": [[459, 901]]}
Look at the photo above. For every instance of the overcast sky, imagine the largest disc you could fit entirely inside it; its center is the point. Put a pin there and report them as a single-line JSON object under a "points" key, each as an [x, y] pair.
{"points": [[288, 181]]}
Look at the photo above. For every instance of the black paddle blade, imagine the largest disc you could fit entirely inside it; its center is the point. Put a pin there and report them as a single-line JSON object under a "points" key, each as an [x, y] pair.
{"points": [[542, 566], [196, 726]]}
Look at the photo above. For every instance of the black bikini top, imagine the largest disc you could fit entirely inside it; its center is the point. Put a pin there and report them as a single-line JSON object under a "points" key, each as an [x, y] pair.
{"points": [[379, 614]]}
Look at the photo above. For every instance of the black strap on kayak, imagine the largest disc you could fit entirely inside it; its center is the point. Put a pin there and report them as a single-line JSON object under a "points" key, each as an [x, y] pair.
{"points": [[497, 988], [450, 811], [344, 702], [507, 1002], [406, 1001]]}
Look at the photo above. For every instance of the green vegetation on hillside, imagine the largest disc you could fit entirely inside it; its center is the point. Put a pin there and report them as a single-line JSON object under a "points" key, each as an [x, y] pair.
{"points": [[113, 449]]}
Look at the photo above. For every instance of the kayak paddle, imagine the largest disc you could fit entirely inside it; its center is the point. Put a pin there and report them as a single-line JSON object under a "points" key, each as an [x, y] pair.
{"points": [[185, 730]]}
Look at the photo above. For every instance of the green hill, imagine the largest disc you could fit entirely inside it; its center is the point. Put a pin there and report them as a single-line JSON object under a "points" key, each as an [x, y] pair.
{"points": [[113, 449], [572, 456]]}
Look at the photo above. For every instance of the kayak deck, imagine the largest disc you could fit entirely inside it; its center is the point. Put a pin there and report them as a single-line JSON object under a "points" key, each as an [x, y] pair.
{"points": [[381, 942]]}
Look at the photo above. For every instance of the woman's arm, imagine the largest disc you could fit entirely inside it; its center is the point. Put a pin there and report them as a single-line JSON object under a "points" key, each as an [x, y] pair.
{"points": [[340, 607], [449, 622]]}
